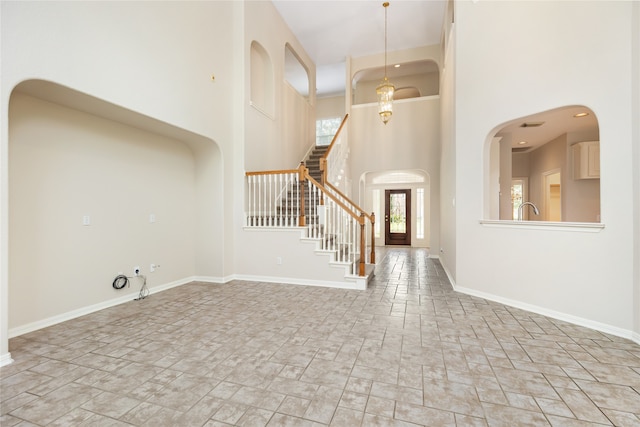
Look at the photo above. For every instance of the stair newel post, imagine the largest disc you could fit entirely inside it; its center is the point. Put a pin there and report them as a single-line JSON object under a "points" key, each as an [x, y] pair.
{"points": [[302, 178], [373, 238], [362, 245], [323, 177]]}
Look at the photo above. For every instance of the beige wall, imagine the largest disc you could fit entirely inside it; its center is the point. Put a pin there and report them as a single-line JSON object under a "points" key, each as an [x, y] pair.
{"points": [[66, 164]]}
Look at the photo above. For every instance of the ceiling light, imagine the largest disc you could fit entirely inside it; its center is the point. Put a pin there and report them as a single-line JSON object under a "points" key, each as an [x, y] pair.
{"points": [[385, 89], [396, 66], [583, 114], [522, 143]]}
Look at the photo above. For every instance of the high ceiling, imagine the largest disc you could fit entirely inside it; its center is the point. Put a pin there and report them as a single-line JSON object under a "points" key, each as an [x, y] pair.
{"points": [[331, 31]]}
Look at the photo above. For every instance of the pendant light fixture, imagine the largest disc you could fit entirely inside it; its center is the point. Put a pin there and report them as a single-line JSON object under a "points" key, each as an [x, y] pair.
{"points": [[385, 89]]}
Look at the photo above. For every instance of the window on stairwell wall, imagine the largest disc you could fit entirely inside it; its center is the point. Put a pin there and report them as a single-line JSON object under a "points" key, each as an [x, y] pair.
{"points": [[326, 129]]}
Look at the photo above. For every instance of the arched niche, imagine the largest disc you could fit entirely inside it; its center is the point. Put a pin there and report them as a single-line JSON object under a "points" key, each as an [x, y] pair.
{"points": [[544, 167], [262, 82], [86, 175]]}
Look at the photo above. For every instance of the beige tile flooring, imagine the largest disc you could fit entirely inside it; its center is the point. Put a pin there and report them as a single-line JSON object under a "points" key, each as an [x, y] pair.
{"points": [[407, 351]]}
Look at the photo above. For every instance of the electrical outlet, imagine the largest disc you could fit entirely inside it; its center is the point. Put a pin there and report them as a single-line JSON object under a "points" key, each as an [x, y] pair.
{"points": [[152, 268], [279, 260], [136, 270]]}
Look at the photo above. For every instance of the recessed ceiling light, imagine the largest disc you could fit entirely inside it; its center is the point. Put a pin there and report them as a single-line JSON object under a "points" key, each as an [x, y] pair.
{"points": [[397, 66], [522, 143], [583, 114]]}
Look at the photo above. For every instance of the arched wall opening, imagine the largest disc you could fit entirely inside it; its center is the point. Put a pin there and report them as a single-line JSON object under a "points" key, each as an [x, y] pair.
{"points": [[412, 79], [544, 167], [418, 182], [96, 190], [296, 72]]}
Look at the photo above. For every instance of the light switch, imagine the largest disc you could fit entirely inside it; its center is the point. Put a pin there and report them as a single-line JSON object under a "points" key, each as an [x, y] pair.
{"points": [[86, 220], [152, 218]]}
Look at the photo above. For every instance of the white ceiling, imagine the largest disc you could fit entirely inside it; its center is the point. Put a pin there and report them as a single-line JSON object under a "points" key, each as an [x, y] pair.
{"points": [[330, 31], [553, 124]]}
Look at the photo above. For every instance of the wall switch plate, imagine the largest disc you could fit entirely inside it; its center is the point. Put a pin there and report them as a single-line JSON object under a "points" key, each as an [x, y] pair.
{"points": [[86, 220]]}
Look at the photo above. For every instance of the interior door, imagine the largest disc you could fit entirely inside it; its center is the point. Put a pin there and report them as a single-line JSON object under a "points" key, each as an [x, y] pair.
{"points": [[397, 217]]}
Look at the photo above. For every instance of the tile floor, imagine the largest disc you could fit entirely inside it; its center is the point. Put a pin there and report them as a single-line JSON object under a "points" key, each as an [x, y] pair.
{"points": [[408, 351]]}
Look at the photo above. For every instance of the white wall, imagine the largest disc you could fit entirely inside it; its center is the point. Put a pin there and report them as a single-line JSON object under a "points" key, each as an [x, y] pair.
{"points": [[635, 112], [330, 107], [65, 164], [150, 59], [448, 153], [277, 141], [523, 70], [410, 140]]}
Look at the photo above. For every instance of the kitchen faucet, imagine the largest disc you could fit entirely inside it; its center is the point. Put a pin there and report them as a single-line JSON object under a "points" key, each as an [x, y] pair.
{"points": [[535, 209]]}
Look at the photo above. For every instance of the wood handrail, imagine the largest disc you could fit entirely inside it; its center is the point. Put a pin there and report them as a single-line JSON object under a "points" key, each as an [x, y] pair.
{"points": [[335, 199], [273, 172], [334, 188], [372, 219]]}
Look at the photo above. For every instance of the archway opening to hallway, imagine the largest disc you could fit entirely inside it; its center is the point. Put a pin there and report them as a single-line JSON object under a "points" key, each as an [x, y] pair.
{"points": [[415, 184]]}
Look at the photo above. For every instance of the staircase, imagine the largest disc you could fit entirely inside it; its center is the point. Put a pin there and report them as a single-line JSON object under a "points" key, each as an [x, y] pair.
{"points": [[331, 222], [313, 161], [291, 200]]}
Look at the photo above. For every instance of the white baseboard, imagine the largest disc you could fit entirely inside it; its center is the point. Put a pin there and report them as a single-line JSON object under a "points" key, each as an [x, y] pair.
{"points": [[296, 281], [211, 279], [580, 321], [50, 321], [5, 359], [569, 318]]}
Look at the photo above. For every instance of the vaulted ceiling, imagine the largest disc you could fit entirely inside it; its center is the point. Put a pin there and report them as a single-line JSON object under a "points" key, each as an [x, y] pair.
{"points": [[331, 31]]}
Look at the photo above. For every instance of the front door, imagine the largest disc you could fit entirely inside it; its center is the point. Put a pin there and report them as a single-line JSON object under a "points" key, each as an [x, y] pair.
{"points": [[397, 217]]}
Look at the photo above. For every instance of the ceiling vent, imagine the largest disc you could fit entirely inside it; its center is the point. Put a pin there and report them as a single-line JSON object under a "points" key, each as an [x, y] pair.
{"points": [[531, 124], [520, 149]]}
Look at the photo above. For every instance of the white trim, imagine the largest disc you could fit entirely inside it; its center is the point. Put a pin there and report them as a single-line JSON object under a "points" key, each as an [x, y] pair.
{"points": [[50, 321], [580, 321], [296, 281], [588, 227], [210, 279], [398, 101], [261, 111], [5, 359]]}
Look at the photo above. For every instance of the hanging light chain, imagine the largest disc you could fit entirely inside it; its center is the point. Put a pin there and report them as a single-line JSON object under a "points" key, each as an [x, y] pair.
{"points": [[385, 5]]}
